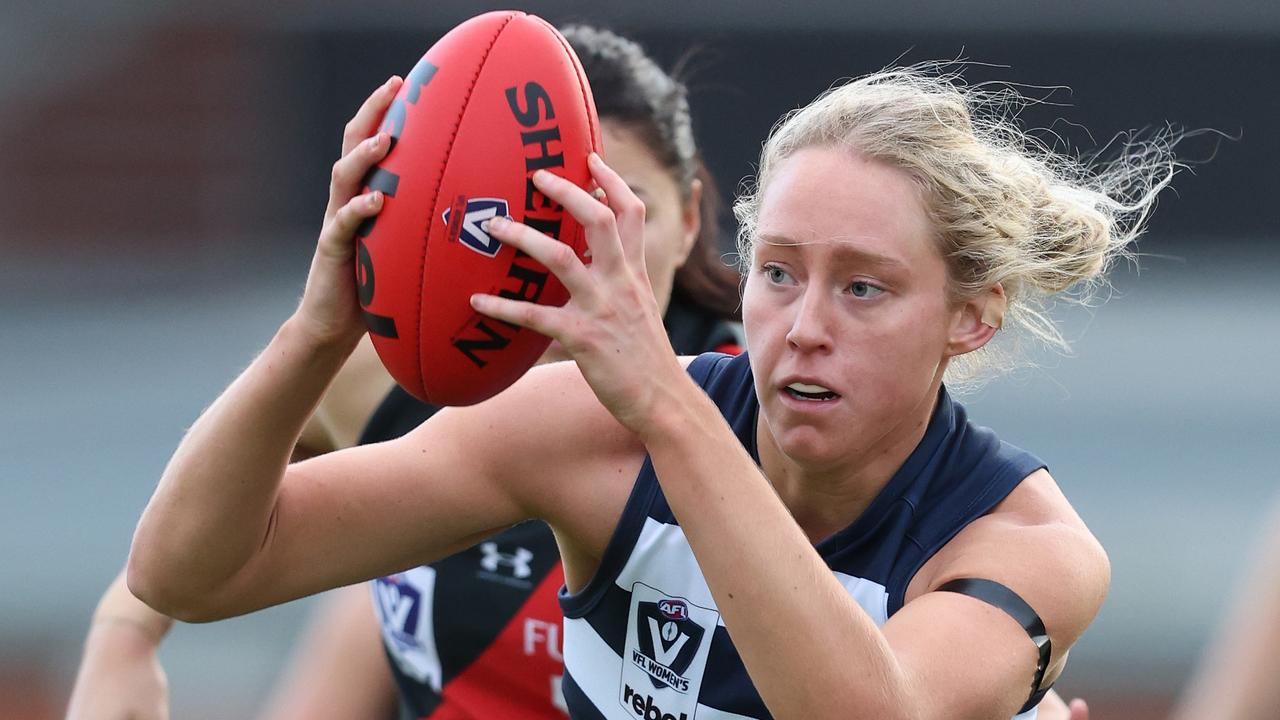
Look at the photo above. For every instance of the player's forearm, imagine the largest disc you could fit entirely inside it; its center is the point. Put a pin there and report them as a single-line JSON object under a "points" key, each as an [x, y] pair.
{"points": [[212, 509], [780, 602], [119, 673]]}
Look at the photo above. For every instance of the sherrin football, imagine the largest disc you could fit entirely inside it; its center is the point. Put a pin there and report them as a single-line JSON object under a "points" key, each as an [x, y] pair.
{"points": [[497, 98]]}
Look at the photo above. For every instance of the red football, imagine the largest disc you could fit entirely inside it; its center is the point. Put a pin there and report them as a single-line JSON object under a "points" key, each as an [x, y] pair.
{"points": [[497, 98]]}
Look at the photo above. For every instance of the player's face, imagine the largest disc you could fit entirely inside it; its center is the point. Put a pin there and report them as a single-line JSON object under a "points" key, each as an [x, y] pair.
{"points": [[670, 223], [845, 308]]}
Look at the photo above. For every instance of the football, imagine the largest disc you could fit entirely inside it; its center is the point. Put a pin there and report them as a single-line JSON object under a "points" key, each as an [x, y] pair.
{"points": [[497, 98]]}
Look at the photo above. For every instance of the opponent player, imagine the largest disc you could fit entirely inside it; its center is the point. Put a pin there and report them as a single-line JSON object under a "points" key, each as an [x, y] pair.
{"points": [[462, 637]]}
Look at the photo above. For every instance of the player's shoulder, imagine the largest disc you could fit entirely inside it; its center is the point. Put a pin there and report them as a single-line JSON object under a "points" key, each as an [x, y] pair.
{"points": [[1035, 543], [1039, 523]]}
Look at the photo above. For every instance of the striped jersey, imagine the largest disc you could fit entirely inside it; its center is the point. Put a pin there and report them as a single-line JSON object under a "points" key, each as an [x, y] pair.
{"points": [[644, 640]]}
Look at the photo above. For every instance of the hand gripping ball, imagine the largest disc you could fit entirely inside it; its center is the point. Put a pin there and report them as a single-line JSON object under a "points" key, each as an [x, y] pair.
{"points": [[496, 99]]}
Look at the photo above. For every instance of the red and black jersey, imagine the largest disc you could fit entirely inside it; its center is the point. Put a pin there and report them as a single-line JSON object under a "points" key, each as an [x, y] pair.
{"points": [[478, 635]]}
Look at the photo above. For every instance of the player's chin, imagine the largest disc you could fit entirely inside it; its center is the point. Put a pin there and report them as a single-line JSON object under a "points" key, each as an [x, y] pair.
{"points": [[810, 450], [808, 441]]}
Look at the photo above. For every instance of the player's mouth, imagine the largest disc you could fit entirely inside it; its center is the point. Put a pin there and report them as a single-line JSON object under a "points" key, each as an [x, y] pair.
{"points": [[809, 392]]}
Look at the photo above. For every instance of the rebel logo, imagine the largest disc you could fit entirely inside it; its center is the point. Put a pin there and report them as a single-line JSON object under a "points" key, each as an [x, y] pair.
{"points": [[467, 225], [645, 707], [665, 646]]}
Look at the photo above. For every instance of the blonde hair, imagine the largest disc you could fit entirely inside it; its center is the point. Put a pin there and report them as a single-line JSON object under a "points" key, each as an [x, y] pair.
{"points": [[1007, 208]]}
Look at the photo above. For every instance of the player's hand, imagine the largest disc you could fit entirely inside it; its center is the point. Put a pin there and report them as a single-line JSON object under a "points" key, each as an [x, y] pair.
{"points": [[329, 309], [612, 325], [1079, 709], [120, 677]]}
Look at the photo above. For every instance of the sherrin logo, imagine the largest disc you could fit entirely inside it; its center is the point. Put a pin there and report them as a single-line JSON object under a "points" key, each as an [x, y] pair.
{"points": [[543, 150]]}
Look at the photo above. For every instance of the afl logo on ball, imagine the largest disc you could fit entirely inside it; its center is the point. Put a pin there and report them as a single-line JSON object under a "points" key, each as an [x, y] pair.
{"points": [[467, 228]]}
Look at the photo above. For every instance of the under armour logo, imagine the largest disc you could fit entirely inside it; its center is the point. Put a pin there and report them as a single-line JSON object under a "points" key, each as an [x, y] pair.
{"points": [[517, 561]]}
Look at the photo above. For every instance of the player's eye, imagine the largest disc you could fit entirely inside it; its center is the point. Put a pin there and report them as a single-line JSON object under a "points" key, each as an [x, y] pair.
{"points": [[775, 274], [863, 289]]}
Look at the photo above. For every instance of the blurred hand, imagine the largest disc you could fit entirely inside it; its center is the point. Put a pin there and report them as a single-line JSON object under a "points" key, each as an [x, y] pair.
{"points": [[329, 309], [1079, 709], [120, 677]]}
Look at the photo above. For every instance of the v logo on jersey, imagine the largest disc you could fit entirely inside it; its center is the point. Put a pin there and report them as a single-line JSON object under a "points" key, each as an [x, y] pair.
{"points": [[666, 646], [665, 655], [664, 651], [666, 643]]}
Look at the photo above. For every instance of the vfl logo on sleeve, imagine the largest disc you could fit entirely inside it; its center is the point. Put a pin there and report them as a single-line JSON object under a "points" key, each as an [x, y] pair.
{"points": [[404, 606], [474, 212], [666, 653]]}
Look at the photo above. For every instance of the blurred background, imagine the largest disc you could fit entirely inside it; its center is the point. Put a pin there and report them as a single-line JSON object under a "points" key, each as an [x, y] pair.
{"points": [[165, 166]]}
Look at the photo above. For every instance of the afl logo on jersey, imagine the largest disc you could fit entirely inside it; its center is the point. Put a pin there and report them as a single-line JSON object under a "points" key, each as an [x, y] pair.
{"points": [[674, 609]]}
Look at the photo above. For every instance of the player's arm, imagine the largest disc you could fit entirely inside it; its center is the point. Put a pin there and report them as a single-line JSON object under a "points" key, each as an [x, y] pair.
{"points": [[338, 671], [1236, 678], [120, 677], [232, 528]]}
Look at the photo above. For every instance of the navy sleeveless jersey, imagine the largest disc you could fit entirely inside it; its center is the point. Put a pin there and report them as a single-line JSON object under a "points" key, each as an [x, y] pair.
{"points": [[478, 634], [644, 640]]}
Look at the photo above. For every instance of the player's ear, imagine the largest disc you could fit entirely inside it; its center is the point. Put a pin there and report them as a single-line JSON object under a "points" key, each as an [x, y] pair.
{"points": [[976, 321]]}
